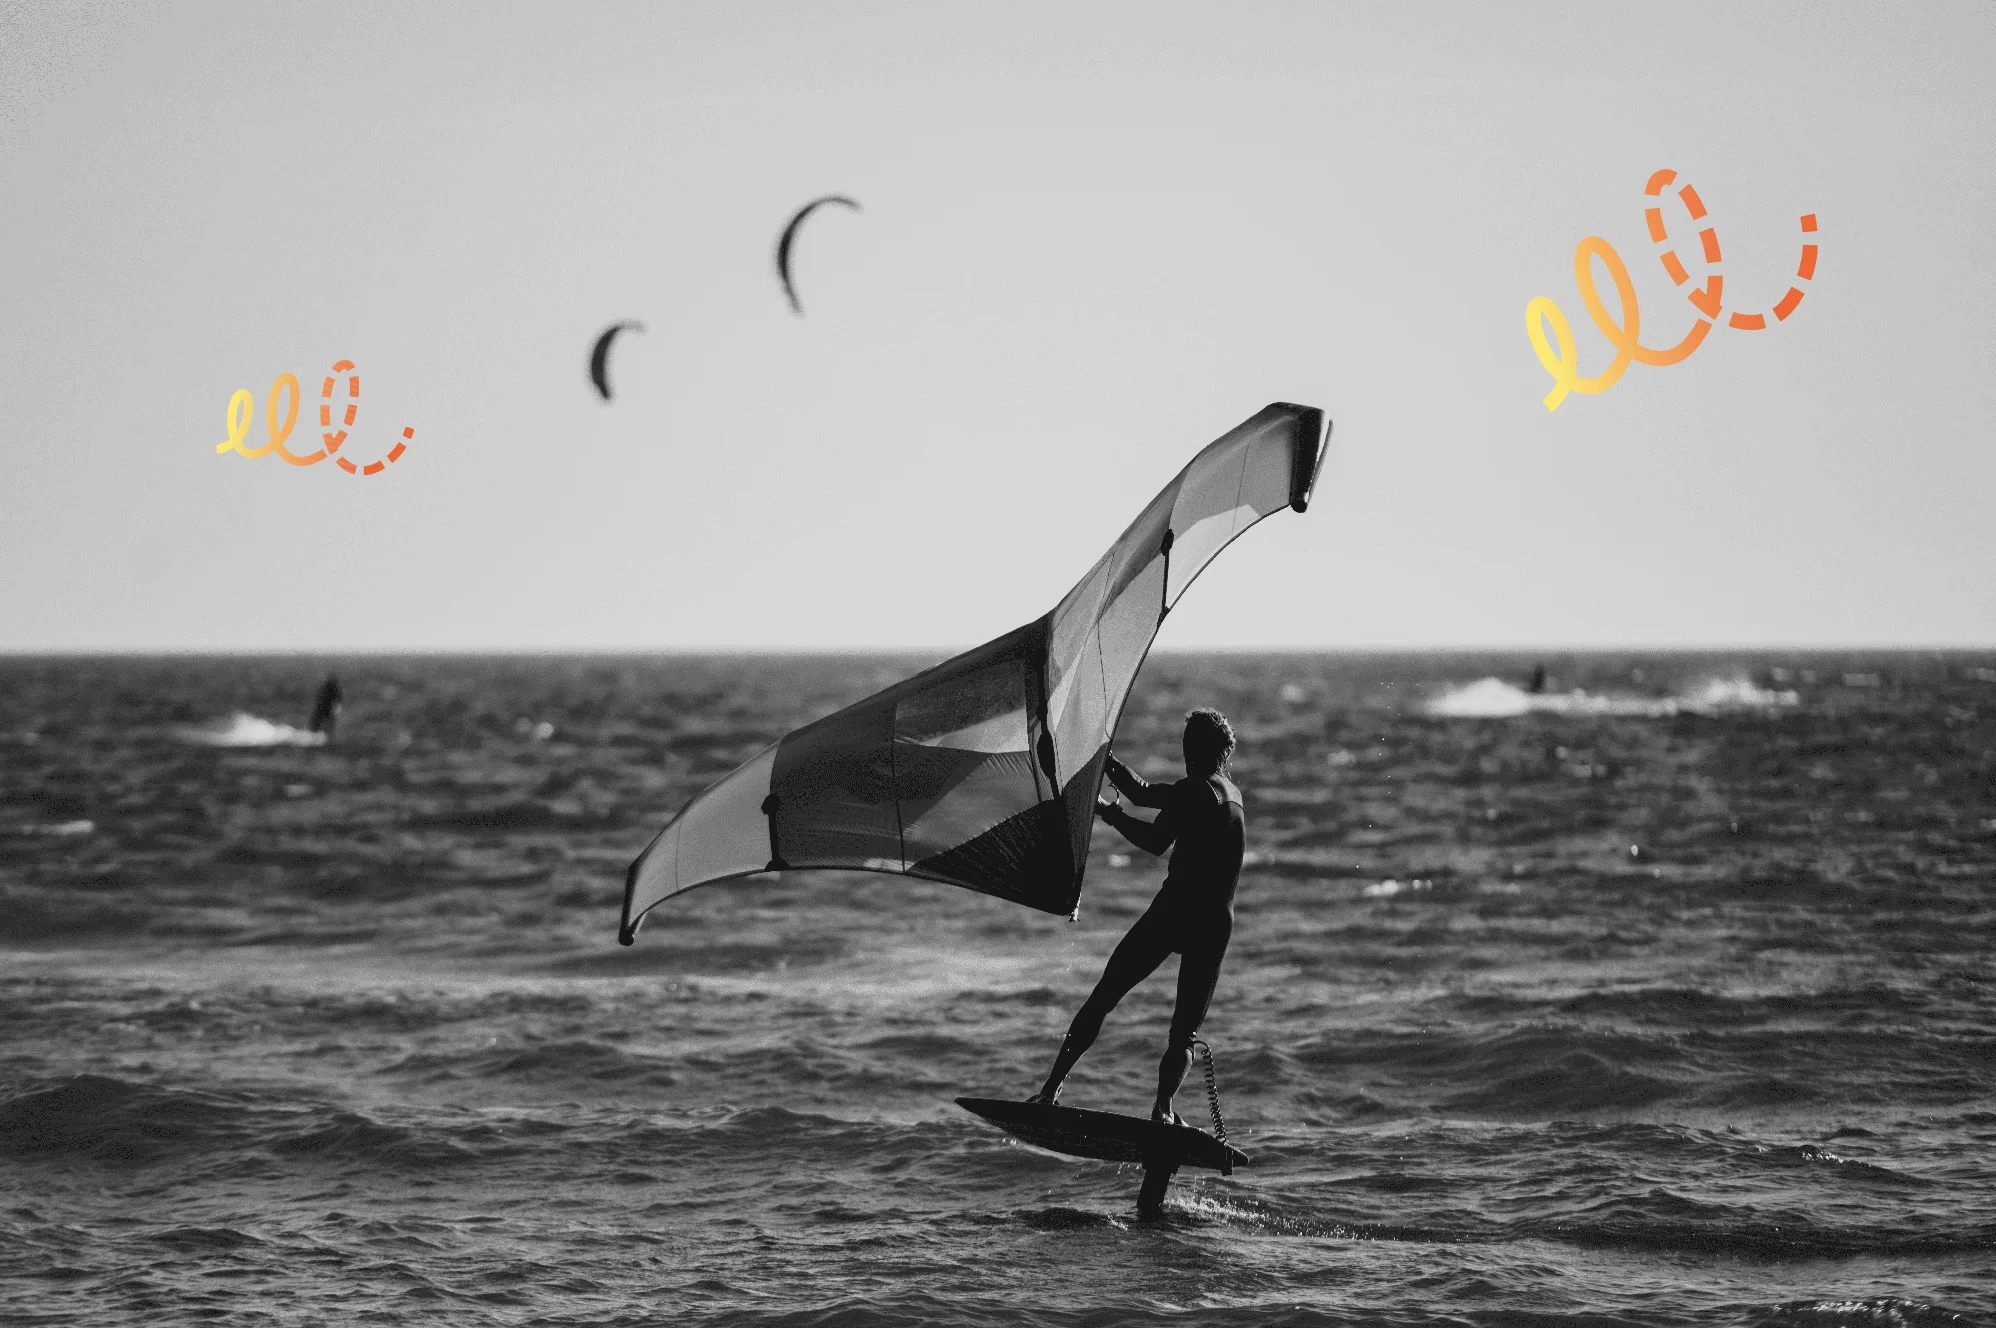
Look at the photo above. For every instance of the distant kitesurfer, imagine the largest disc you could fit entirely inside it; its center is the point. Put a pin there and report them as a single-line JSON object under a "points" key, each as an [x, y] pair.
{"points": [[326, 710], [1538, 684], [1193, 913]]}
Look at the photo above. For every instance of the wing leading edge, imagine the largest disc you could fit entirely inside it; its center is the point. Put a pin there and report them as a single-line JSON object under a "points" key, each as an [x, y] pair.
{"points": [[983, 771]]}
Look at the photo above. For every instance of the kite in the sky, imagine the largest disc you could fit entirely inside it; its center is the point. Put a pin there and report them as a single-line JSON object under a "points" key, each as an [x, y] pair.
{"points": [[789, 237], [983, 771], [599, 358]]}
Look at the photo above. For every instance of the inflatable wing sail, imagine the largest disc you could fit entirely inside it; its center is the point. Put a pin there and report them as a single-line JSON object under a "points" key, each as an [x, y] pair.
{"points": [[983, 771]]}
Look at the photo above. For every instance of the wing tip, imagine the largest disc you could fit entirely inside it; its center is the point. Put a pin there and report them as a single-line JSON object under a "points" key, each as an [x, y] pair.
{"points": [[1312, 441], [627, 926]]}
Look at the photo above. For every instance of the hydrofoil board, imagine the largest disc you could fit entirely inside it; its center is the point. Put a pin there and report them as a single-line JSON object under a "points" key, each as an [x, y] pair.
{"points": [[1107, 1135]]}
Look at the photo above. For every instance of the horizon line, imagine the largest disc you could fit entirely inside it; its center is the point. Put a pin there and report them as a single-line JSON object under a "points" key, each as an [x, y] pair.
{"points": [[604, 651]]}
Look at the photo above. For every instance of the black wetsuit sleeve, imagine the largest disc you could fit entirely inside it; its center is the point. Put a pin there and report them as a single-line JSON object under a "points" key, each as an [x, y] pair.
{"points": [[1150, 836], [1138, 789]]}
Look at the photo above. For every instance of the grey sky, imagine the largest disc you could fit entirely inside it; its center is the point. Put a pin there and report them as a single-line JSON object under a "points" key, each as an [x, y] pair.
{"points": [[1094, 238]]}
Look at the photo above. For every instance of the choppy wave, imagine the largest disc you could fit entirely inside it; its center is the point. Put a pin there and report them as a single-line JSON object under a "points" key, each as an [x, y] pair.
{"points": [[1885, 1312], [1493, 698], [112, 1120], [1688, 1020], [124, 1124]]}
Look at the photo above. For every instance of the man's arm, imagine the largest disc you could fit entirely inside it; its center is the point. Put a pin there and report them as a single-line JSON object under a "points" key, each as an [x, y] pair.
{"points": [[1136, 788], [1150, 836]]}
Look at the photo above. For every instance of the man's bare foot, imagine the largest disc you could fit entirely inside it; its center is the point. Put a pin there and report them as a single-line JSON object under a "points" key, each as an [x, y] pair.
{"points": [[1045, 1098]]}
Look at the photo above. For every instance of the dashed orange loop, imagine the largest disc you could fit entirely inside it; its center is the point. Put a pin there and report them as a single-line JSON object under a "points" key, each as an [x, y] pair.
{"points": [[1708, 300], [1552, 338], [1705, 301], [335, 438]]}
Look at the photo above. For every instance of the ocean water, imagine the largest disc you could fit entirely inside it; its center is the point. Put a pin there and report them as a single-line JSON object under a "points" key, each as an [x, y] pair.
{"points": [[1664, 996]]}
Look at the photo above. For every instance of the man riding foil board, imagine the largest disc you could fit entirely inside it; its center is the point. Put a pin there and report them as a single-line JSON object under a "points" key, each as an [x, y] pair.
{"points": [[1202, 822], [984, 771]]}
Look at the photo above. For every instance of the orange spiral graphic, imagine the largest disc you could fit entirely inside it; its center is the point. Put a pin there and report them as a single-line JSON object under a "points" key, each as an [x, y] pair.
{"points": [[1552, 338], [333, 438], [336, 438], [288, 384], [1708, 300]]}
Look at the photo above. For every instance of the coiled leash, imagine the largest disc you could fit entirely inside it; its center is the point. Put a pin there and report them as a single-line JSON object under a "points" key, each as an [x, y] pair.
{"points": [[1212, 1091], [1161, 1166]]}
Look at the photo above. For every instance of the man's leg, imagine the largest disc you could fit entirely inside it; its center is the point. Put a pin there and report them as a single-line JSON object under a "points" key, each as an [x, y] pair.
{"points": [[1198, 974], [1136, 957]]}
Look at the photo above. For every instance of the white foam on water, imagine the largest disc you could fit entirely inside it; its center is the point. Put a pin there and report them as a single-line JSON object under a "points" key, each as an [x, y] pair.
{"points": [[246, 730], [1493, 698], [62, 829], [1489, 698], [1739, 694]]}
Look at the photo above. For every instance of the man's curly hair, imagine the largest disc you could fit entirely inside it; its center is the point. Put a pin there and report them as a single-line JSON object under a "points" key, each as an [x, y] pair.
{"points": [[1209, 739]]}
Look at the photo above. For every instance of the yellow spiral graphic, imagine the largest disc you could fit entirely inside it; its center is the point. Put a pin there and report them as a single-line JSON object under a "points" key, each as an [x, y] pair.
{"points": [[242, 410], [1561, 360]]}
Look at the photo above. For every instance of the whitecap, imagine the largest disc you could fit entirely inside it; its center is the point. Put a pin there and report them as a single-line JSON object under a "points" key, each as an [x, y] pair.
{"points": [[246, 730], [1738, 694], [1489, 698], [63, 829], [1493, 698]]}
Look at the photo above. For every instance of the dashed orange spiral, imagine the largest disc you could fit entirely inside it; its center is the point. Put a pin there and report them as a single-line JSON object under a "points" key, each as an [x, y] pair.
{"points": [[376, 467], [336, 438], [1707, 301]]}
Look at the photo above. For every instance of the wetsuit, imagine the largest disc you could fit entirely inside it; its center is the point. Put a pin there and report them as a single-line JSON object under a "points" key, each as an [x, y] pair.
{"points": [[1204, 824], [326, 710]]}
